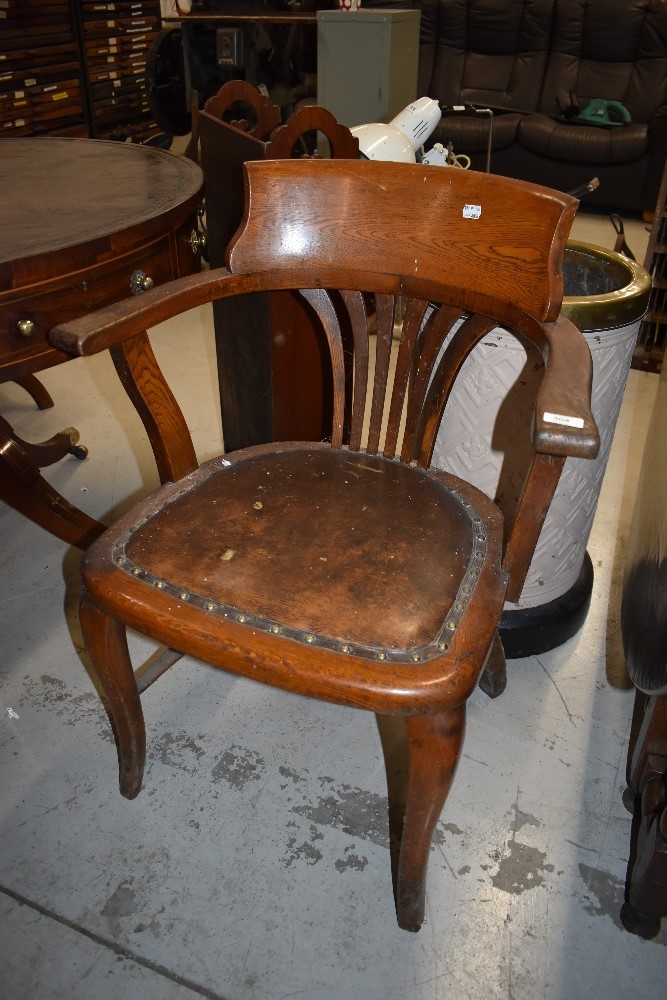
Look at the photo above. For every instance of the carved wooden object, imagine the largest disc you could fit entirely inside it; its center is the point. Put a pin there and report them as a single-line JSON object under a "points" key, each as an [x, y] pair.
{"points": [[347, 570], [268, 344]]}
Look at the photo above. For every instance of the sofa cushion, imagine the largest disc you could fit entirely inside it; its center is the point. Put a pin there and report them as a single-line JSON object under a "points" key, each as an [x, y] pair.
{"points": [[582, 143], [614, 49], [471, 135], [484, 52]]}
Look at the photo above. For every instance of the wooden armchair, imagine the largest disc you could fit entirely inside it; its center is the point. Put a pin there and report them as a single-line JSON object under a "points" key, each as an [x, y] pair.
{"points": [[346, 570]]}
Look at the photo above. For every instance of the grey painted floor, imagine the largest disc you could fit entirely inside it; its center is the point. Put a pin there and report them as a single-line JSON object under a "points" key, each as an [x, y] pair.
{"points": [[255, 863]]}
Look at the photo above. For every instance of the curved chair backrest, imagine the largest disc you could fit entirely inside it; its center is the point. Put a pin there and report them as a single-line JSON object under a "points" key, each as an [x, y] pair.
{"points": [[491, 237]]}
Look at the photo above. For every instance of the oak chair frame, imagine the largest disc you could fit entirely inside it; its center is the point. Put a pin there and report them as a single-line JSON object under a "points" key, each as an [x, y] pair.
{"points": [[465, 252]]}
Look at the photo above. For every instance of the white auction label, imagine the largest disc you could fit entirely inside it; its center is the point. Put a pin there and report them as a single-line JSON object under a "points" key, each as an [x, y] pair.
{"points": [[561, 418], [472, 211]]}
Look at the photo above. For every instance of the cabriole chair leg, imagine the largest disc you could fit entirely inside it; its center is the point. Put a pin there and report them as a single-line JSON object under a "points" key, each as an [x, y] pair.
{"points": [[434, 745], [106, 642]]}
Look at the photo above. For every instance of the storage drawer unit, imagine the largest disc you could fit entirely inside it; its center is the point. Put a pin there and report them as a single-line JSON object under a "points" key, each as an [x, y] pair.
{"points": [[76, 67], [116, 36], [41, 88]]}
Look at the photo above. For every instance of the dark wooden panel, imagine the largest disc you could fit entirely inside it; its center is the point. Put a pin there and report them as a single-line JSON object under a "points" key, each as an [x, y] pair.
{"points": [[269, 345]]}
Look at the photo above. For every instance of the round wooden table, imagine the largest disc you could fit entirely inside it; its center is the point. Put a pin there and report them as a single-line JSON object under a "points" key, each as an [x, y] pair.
{"points": [[84, 223]]}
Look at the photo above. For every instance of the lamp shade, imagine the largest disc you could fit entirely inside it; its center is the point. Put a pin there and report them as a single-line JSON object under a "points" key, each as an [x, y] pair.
{"points": [[384, 142], [400, 139]]}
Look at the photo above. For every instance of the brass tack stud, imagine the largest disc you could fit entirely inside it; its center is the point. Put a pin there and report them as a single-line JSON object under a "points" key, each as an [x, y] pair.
{"points": [[382, 656], [309, 638], [241, 618], [443, 646], [416, 657], [120, 560], [275, 629], [159, 584], [451, 625], [344, 648], [210, 606], [136, 571], [184, 596]]}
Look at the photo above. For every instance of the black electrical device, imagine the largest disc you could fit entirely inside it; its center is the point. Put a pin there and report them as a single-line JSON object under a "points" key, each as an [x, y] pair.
{"points": [[229, 48]]}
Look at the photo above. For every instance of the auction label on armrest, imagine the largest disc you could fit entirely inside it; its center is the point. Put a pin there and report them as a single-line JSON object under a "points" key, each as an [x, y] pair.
{"points": [[564, 421]]}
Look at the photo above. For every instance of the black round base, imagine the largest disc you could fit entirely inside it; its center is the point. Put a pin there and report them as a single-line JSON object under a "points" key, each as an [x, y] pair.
{"points": [[629, 799], [536, 630]]}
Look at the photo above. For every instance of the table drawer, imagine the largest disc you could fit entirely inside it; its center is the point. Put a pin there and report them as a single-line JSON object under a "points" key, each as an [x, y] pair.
{"points": [[27, 315]]}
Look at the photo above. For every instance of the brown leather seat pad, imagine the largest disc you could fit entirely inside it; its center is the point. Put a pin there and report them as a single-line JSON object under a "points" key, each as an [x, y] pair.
{"points": [[341, 544]]}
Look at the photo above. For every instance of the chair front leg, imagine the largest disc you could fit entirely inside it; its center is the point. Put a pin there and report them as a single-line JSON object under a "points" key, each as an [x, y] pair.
{"points": [[106, 643], [434, 746]]}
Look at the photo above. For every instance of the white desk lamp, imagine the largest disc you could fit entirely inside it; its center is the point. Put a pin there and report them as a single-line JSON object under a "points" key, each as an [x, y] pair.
{"points": [[400, 138]]}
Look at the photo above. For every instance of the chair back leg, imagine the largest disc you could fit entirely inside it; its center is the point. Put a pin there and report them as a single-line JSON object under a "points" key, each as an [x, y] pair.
{"points": [[494, 676]]}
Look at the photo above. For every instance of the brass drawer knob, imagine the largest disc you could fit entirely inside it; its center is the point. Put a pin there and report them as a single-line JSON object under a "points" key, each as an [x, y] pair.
{"points": [[140, 282], [197, 241], [26, 327]]}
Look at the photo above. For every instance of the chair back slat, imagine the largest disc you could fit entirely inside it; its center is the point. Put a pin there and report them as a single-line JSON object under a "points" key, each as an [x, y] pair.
{"points": [[321, 302], [468, 335], [385, 306], [413, 321], [431, 338], [355, 304]]}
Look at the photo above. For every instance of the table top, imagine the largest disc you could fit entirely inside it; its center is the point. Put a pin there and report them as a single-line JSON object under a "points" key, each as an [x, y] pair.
{"points": [[61, 193]]}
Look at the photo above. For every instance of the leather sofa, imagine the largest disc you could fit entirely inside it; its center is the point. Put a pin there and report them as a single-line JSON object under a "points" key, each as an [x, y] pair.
{"points": [[529, 60]]}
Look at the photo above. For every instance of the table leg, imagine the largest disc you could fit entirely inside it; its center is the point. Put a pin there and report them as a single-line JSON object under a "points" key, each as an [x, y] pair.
{"points": [[35, 389], [22, 486]]}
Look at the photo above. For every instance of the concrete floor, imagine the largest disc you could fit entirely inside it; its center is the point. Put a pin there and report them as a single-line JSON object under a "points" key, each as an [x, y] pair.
{"points": [[255, 863]]}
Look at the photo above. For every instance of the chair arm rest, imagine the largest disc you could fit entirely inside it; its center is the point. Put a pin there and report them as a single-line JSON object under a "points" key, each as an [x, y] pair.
{"points": [[121, 329], [564, 423], [110, 326]]}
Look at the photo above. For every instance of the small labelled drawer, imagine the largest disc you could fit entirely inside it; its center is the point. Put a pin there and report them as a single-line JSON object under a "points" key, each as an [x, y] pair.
{"points": [[26, 316]]}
